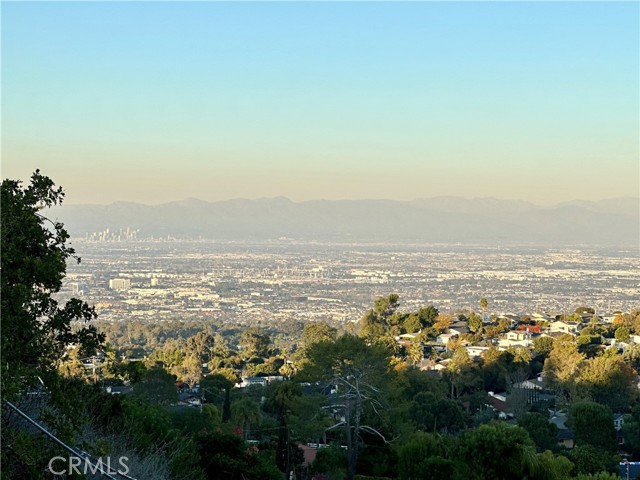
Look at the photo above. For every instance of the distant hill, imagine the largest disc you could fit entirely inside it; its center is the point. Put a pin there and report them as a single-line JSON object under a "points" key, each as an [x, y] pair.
{"points": [[440, 219]]}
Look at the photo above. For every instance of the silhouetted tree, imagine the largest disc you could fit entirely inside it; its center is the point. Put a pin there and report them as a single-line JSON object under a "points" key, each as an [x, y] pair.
{"points": [[36, 329]]}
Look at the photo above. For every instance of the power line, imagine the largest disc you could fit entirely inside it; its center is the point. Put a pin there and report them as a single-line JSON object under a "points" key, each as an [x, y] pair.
{"points": [[87, 457]]}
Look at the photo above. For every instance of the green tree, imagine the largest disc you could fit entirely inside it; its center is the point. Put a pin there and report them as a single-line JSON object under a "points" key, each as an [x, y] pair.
{"points": [[607, 380], [221, 381], [592, 424], [631, 355], [428, 404], [542, 432], [35, 328], [552, 467], [428, 315], [280, 400], [271, 366], [543, 345], [132, 371], [434, 413], [463, 374], [316, 332], [71, 364], [494, 369], [287, 370], [599, 476], [190, 370], [246, 412], [442, 323], [372, 328], [562, 367], [475, 322], [224, 455], [422, 456], [331, 461], [384, 307], [418, 381], [313, 333], [484, 304], [202, 345], [191, 421], [497, 451], [412, 323], [591, 460], [255, 343], [170, 355], [363, 378], [415, 352], [518, 358], [631, 431], [221, 348], [157, 386], [375, 325], [623, 334]]}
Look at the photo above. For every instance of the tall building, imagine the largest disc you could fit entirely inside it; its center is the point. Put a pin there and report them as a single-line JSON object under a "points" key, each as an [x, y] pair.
{"points": [[119, 284], [75, 288]]}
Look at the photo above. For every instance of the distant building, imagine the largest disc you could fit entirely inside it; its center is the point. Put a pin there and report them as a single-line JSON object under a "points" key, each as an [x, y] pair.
{"points": [[475, 351], [75, 288], [444, 338], [518, 335], [529, 328], [559, 326], [119, 284], [264, 381]]}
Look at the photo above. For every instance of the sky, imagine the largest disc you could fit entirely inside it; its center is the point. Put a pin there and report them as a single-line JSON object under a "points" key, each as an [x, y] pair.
{"points": [[156, 102]]}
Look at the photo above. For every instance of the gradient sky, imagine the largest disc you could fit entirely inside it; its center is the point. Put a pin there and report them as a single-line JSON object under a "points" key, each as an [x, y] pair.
{"points": [[155, 102]]}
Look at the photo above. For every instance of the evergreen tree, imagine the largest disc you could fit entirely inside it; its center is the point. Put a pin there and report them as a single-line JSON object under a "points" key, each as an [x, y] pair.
{"points": [[36, 329]]}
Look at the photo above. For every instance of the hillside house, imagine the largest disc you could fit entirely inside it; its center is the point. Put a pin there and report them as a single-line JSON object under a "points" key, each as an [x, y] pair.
{"points": [[444, 338], [406, 339], [529, 328], [560, 326], [518, 335], [459, 328], [565, 435], [475, 351], [515, 339], [264, 381]]}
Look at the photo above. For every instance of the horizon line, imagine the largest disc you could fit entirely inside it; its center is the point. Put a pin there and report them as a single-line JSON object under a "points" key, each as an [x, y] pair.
{"points": [[417, 199]]}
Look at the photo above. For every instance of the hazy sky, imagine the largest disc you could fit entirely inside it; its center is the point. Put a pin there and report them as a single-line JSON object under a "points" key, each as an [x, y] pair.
{"points": [[155, 102]]}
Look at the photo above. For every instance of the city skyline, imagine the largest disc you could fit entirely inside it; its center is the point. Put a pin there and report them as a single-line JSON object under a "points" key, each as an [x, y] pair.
{"points": [[158, 102]]}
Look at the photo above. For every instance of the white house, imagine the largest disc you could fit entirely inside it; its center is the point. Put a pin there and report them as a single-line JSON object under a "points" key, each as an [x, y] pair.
{"points": [[518, 335], [504, 343], [560, 326], [444, 338], [531, 384], [474, 351]]}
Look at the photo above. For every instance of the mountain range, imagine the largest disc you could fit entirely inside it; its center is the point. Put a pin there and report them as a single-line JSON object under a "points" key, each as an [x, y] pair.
{"points": [[613, 221]]}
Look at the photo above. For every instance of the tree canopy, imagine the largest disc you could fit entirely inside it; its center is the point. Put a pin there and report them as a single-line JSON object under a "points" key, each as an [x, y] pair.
{"points": [[36, 329], [362, 378], [592, 424]]}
